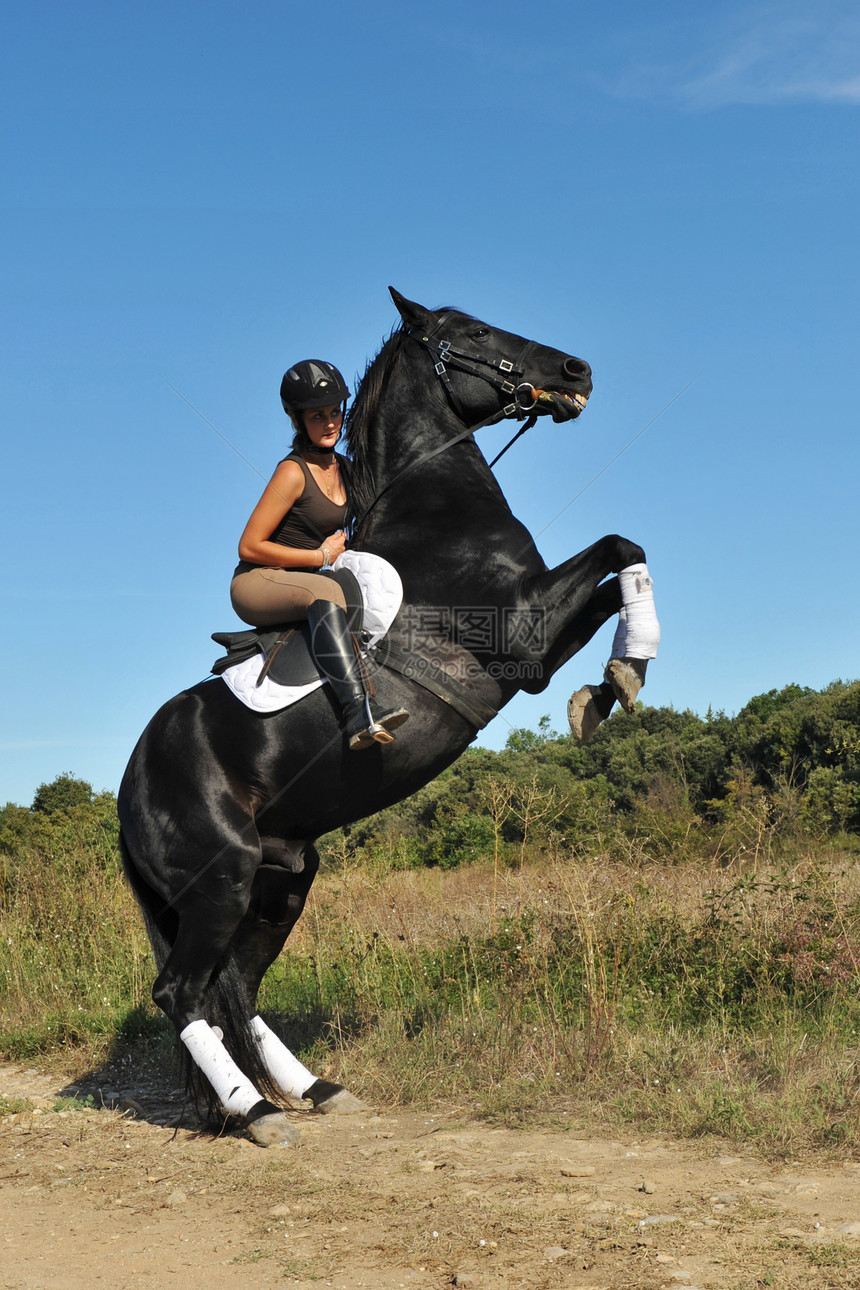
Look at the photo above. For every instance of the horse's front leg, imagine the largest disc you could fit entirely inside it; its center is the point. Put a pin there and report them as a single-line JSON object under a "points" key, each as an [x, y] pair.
{"points": [[562, 609]]}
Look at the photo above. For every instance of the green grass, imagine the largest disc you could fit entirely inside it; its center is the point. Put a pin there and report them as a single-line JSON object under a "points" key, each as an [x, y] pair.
{"points": [[14, 1105]]}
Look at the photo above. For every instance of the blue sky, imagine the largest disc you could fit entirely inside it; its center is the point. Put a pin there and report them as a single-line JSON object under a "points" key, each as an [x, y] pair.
{"points": [[197, 195]]}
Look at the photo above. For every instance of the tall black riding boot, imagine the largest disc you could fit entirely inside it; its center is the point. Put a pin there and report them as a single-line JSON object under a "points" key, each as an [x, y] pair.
{"points": [[331, 645]]}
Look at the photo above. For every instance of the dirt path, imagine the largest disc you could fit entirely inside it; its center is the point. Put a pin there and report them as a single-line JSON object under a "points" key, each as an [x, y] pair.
{"points": [[125, 1198]]}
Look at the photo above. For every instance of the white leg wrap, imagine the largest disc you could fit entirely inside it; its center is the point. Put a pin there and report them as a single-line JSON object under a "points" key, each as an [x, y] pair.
{"points": [[619, 640], [286, 1070], [638, 632], [235, 1091]]}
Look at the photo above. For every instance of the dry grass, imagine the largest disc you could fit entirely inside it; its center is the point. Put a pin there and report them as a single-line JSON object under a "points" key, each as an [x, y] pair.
{"points": [[690, 998]]}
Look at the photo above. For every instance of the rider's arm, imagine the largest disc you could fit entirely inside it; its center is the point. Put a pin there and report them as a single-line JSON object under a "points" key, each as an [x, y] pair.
{"points": [[281, 493]]}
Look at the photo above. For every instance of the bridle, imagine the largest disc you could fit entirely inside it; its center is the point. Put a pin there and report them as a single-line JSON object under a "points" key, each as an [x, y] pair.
{"points": [[463, 360], [502, 375]]}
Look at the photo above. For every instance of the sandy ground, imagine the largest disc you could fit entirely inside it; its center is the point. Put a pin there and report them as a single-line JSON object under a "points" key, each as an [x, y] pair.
{"points": [[125, 1194]]}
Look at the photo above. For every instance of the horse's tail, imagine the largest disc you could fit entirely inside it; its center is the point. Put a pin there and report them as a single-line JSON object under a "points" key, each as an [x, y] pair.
{"points": [[226, 1002]]}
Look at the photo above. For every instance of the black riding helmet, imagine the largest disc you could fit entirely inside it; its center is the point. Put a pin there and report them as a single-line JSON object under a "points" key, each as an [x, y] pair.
{"points": [[312, 384]]}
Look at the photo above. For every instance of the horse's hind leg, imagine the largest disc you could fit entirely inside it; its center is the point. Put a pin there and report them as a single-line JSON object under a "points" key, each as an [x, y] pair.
{"points": [[277, 900], [199, 983]]}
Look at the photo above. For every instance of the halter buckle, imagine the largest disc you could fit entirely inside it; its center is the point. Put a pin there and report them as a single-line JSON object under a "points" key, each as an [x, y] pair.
{"points": [[505, 366], [440, 369]]}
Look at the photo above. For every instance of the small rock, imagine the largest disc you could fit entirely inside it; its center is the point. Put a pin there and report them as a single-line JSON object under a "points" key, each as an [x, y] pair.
{"points": [[280, 1211], [577, 1171], [849, 1229], [464, 1279], [647, 1186], [802, 1188], [554, 1252], [666, 1258], [175, 1198], [724, 1198], [654, 1220], [129, 1104], [428, 1166]]}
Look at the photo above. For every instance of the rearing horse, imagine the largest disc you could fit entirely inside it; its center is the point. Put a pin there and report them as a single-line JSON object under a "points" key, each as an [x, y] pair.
{"points": [[220, 806]]}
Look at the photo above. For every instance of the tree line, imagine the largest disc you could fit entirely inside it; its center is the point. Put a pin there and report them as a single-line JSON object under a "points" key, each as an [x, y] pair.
{"points": [[659, 783]]}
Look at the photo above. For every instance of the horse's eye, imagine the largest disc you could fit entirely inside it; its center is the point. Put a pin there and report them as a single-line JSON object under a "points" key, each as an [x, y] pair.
{"points": [[480, 333]]}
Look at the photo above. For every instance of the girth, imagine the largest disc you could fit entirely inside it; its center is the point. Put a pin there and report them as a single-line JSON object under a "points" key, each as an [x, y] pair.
{"points": [[432, 675]]}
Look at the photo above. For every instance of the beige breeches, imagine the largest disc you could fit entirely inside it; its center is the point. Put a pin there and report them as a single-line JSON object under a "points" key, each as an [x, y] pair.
{"points": [[266, 597]]}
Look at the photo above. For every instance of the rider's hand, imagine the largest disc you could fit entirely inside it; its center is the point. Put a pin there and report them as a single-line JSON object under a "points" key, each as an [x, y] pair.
{"points": [[336, 544]]}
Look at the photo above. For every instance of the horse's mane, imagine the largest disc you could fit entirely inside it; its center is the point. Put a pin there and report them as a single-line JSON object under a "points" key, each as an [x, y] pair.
{"points": [[360, 419], [362, 414]]}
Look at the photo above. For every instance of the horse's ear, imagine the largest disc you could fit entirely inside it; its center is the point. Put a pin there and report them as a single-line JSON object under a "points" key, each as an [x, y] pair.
{"points": [[413, 315]]}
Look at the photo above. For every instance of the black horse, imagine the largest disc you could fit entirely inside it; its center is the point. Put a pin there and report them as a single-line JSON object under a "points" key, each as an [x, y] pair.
{"points": [[220, 806]]}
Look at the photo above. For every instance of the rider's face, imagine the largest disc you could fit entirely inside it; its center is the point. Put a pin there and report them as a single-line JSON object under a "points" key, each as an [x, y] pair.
{"points": [[323, 426]]}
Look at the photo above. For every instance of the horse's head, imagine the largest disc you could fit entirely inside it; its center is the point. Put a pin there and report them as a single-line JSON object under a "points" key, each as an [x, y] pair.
{"points": [[485, 369]]}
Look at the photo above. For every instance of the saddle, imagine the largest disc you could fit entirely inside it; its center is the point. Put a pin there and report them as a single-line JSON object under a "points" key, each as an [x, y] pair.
{"points": [[286, 650], [270, 668]]}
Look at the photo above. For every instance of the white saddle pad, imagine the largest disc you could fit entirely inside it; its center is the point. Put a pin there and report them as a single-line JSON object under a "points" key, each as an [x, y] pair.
{"points": [[382, 592]]}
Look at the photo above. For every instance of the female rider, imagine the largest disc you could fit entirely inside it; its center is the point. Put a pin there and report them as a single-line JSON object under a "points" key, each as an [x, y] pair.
{"points": [[297, 529]]}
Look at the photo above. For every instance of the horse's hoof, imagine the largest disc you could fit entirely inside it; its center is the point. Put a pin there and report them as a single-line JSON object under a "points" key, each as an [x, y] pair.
{"points": [[626, 676], [583, 713], [274, 1130], [341, 1103], [333, 1099]]}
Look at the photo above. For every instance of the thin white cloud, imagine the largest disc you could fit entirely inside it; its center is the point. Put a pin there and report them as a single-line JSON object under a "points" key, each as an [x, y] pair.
{"points": [[778, 54]]}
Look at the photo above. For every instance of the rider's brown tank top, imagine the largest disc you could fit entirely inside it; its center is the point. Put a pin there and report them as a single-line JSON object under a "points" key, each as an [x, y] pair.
{"points": [[313, 517]]}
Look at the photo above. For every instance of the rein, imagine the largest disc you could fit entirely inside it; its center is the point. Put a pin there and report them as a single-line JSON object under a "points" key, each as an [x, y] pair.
{"points": [[471, 363]]}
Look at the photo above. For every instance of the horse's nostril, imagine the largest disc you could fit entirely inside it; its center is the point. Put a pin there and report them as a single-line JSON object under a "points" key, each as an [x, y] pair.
{"points": [[575, 367]]}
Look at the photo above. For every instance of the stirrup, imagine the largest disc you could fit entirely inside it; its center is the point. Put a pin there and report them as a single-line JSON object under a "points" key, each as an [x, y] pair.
{"points": [[372, 727]]}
